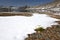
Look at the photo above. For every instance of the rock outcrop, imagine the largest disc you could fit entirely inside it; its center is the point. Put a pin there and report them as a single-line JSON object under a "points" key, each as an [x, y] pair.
{"points": [[50, 33]]}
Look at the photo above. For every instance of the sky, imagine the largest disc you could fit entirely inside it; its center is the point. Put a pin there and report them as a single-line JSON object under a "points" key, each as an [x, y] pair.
{"points": [[23, 2]]}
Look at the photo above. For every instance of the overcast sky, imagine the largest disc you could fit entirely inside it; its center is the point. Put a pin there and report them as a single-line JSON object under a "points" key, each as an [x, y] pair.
{"points": [[22, 2]]}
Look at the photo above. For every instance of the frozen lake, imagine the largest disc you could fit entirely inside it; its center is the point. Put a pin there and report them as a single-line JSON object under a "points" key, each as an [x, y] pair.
{"points": [[17, 27]]}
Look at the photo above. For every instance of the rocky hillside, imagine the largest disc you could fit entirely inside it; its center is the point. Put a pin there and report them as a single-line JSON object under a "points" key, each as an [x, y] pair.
{"points": [[50, 33]]}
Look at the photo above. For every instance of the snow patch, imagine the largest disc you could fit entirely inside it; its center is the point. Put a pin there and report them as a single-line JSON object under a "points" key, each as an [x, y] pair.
{"points": [[17, 27]]}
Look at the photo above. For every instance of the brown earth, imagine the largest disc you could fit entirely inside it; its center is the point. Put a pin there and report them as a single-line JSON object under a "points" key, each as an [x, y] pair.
{"points": [[15, 14]]}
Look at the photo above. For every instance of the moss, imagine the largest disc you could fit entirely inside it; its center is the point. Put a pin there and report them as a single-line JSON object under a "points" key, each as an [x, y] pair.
{"points": [[40, 29]]}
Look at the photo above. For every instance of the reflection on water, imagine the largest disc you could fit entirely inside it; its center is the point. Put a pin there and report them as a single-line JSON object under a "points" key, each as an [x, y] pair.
{"points": [[17, 27]]}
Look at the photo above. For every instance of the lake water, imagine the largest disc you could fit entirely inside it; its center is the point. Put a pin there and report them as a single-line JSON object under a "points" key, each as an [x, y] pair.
{"points": [[17, 27]]}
